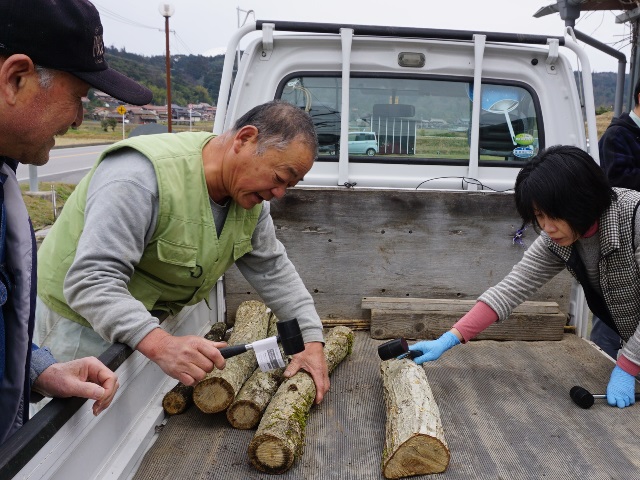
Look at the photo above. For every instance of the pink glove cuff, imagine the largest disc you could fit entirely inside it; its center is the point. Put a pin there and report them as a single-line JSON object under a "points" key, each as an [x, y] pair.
{"points": [[628, 366], [475, 321]]}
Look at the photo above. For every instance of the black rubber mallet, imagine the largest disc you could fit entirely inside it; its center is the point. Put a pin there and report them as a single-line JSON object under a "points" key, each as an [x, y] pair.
{"points": [[584, 399], [397, 348], [289, 336]]}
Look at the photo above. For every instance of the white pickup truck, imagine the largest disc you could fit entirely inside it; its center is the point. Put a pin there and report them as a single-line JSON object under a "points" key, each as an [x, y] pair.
{"points": [[455, 115]]}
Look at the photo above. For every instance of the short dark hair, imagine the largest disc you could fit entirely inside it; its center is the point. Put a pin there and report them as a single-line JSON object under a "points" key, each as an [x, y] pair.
{"points": [[278, 123], [565, 183], [636, 92]]}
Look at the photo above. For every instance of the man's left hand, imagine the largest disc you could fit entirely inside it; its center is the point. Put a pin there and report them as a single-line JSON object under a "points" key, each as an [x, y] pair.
{"points": [[313, 361], [84, 377]]}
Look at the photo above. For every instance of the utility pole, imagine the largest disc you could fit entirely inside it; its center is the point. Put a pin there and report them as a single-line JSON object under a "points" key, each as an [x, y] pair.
{"points": [[167, 10]]}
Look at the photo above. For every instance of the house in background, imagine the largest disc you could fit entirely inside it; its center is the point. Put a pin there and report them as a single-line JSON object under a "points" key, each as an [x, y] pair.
{"points": [[142, 115]]}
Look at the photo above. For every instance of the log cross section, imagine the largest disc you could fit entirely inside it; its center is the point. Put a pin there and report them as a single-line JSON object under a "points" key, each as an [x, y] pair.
{"points": [[180, 397]]}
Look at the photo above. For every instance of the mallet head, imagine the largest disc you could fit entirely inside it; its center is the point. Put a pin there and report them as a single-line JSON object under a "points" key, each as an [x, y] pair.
{"points": [[581, 397], [290, 336], [393, 349]]}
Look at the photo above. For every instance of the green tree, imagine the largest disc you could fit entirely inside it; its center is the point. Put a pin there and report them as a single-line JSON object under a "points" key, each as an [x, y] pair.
{"points": [[200, 95]]}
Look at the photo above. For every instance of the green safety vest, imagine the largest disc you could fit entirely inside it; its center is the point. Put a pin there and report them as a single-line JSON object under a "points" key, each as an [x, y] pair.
{"points": [[184, 258]]}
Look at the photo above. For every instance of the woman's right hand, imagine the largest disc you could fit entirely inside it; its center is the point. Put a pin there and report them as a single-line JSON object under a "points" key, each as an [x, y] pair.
{"points": [[433, 349]]}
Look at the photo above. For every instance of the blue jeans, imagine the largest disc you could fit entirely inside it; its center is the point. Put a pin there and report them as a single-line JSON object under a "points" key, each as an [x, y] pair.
{"points": [[604, 337]]}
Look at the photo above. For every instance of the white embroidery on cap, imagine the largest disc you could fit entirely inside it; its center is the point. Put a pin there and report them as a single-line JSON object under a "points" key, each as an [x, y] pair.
{"points": [[98, 46]]}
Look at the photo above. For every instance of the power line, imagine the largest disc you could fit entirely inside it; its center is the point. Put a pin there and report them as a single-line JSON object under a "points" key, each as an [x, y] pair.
{"points": [[119, 18], [181, 42], [599, 25]]}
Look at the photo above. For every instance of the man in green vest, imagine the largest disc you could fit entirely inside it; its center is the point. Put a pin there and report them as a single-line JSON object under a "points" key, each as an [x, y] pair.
{"points": [[157, 221]]}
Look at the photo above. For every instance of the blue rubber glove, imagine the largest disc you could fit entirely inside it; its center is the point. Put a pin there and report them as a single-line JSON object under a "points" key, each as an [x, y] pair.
{"points": [[432, 349], [621, 390]]}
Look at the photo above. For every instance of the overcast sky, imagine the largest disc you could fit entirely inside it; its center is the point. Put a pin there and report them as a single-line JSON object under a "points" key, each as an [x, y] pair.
{"points": [[205, 26]]}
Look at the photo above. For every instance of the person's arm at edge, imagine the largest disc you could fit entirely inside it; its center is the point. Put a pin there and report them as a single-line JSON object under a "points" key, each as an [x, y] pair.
{"points": [[85, 377]]}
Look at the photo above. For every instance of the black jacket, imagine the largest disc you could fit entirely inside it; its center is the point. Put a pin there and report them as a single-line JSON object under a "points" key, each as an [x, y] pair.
{"points": [[619, 150]]}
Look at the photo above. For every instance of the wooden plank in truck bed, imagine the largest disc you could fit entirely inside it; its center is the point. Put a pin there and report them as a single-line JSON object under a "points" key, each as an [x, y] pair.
{"points": [[387, 324], [445, 304], [428, 318], [505, 409]]}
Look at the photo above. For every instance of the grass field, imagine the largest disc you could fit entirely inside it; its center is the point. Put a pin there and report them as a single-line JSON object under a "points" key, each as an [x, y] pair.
{"points": [[41, 208], [90, 131]]}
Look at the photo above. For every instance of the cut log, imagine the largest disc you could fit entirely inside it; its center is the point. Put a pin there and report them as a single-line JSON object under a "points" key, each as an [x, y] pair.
{"points": [[180, 397], [256, 393], [414, 437], [218, 389], [279, 439]]}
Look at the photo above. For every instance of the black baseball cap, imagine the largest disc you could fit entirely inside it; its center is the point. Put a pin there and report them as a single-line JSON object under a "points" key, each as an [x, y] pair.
{"points": [[65, 35]]}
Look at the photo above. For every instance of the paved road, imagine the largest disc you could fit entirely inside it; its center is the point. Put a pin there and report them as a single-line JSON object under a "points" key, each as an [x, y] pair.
{"points": [[66, 165]]}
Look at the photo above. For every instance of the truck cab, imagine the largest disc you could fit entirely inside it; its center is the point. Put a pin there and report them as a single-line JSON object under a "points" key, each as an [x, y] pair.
{"points": [[414, 89]]}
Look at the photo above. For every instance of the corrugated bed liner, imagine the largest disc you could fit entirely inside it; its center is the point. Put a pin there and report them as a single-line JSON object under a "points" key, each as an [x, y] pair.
{"points": [[505, 409]]}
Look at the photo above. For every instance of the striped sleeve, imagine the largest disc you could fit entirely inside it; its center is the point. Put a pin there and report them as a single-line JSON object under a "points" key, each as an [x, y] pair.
{"points": [[631, 349], [537, 267]]}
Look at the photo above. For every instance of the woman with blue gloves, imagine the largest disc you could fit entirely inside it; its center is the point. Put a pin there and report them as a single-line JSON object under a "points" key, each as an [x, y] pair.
{"points": [[588, 228]]}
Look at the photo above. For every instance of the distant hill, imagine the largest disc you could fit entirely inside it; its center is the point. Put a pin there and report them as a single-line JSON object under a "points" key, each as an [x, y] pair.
{"points": [[196, 78], [604, 89]]}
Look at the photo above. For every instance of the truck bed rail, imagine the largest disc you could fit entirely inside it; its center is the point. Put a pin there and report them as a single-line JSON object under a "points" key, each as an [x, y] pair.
{"points": [[407, 32]]}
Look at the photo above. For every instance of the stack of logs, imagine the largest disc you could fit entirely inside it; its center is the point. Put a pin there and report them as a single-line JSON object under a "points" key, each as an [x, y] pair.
{"points": [[280, 407], [414, 439]]}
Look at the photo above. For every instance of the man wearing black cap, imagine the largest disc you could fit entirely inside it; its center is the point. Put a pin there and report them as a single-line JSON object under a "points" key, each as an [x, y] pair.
{"points": [[51, 52]]}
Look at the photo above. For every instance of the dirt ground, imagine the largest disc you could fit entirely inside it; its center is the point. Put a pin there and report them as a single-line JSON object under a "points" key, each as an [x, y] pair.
{"points": [[602, 122]]}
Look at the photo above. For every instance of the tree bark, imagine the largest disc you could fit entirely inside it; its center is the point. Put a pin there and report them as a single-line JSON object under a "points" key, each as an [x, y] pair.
{"points": [[279, 439], [217, 332], [216, 392], [414, 439], [180, 397], [256, 393]]}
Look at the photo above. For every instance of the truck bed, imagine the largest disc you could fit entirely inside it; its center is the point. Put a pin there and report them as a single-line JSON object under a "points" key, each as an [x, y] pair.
{"points": [[505, 410]]}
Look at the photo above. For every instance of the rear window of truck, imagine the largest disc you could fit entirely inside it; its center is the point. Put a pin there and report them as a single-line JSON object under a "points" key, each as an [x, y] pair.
{"points": [[416, 120]]}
